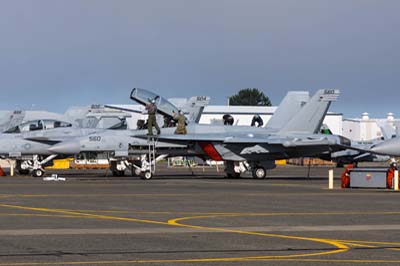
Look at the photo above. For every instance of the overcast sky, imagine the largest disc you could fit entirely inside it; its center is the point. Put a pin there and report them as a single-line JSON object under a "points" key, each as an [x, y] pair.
{"points": [[56, 53]]}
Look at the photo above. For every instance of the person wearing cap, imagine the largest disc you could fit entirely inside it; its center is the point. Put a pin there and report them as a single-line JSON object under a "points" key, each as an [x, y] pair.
{"points": [[181, 123], [151, 109]]}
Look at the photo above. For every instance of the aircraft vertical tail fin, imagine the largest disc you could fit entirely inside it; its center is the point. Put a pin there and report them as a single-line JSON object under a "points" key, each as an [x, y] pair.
{"points": [[16, 118], [288, 108], [397, 127], [387, 130], [194, 108], [309, 119]]}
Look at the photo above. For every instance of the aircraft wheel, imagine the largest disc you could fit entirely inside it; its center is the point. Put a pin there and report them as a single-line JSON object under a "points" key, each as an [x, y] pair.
{"points": [[259, 172], [147, 175], [38, 173]]}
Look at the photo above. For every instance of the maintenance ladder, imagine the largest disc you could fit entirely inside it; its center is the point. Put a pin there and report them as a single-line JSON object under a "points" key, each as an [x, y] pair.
{"points": [[152, 141]]}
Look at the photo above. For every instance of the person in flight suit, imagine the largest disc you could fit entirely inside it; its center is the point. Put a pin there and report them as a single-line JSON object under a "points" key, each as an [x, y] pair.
{"points": [[181, 123], [151, 109]]}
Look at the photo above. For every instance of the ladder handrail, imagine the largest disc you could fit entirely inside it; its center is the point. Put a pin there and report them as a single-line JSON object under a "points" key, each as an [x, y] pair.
{"points": [[152, 153]]}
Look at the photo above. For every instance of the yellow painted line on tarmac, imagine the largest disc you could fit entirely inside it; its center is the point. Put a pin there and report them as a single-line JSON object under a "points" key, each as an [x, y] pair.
{"points": [[379, 262], [37, 215], [239, 213], [377, 244], [367, 242], [357, 245], [143, 212], [339, 246], [79, 214]]}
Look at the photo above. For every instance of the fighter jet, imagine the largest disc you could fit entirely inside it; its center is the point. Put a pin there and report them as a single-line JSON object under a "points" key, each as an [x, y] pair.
{"points": [[30, 134], [361, 150], [123, 148], [28, 140], [260, 147], [28, 143], [10, 119], [290, 133], [389, 147]]}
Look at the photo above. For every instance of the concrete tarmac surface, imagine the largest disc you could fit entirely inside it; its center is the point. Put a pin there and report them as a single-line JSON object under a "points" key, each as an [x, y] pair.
{"points": [[181, 219]]}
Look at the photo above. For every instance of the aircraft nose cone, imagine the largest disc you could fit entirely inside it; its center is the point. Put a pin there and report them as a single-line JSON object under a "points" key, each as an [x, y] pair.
{"points": [[387, 148], [66, 148]]}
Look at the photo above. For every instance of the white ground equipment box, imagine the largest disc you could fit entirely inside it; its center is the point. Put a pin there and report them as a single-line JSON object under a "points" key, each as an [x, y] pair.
{"points": [[368, 178]]}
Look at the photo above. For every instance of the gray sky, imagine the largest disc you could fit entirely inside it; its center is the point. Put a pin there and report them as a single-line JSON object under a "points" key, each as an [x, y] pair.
{"points": [[56, 53]]}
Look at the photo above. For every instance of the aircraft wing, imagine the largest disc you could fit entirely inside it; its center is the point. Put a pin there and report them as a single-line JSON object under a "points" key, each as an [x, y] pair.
{"points": [[251, 139], [363, 155], [186, 138]]}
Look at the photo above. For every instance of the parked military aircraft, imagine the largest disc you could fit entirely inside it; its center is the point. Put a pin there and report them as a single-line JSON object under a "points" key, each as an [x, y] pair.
{"points": [[259, 148], [361, 150], [28, 142], [122, 145], [33, 132], [290, 133], [389, 147]]}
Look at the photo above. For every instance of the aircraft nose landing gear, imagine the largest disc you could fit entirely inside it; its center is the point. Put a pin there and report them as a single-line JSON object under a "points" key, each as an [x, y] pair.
{"points": [[37, 172], [147, 175]]}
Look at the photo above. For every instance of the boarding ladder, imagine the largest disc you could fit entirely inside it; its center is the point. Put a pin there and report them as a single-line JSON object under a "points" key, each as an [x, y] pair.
{"points": [[148, 167], [152, 142]]}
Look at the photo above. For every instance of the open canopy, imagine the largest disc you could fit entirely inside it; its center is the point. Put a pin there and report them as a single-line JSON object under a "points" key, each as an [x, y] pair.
{"points": [[144, 97]]}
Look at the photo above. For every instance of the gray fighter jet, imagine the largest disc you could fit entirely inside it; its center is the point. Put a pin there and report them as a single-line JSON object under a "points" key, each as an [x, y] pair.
{"points": [[123, 148], [260, 147], [361, 150], [29, 134], [290, 133], [28, 142], [390, 147]]}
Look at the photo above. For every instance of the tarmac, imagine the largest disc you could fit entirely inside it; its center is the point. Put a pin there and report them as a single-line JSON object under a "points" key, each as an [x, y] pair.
{"points": [[203, 219]]}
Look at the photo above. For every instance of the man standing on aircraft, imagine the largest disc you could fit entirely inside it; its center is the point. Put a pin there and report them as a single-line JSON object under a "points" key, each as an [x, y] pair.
{"points": [[181, 120], [151, 109]]}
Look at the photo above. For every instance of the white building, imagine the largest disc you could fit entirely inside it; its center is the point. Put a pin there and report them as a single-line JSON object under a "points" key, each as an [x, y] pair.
{"points": [[243, 116], [366, 128]]}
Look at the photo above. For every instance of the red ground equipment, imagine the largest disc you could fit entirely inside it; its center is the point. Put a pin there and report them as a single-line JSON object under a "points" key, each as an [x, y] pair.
{"points": [[390, 176], [346, 176], [2, 172]]}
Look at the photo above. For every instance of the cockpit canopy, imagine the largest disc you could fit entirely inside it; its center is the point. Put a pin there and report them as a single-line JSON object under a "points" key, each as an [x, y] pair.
{"points": [[145, 97], [37, 125]]}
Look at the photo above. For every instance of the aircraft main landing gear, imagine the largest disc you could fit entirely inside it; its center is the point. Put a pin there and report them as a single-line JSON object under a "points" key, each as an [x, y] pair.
{"points": [[259, 172], [118, 167]]}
